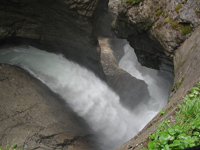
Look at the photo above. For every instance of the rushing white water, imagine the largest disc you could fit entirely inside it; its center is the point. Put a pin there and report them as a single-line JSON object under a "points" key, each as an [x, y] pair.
{"points": [[159, 83], [86, 94]]}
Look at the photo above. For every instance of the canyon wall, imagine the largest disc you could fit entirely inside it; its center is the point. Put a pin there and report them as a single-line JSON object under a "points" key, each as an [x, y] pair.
{"points": [[61, 26], [167, 22], [30, 113], [174, 25]]}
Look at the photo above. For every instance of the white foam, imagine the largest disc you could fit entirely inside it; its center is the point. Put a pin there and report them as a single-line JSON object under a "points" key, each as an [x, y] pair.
{"points": [[87, 95]]}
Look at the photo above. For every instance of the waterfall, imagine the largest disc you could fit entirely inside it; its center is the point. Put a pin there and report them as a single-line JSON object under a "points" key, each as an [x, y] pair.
{"points": [[159, 82], [87, 95]]}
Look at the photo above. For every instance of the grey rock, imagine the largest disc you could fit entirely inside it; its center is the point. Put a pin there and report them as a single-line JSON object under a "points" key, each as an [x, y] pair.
{"points": [[145, 17], [33, 117]]}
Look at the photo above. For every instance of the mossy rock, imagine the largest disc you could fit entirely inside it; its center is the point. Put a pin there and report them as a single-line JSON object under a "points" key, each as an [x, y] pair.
{"points": [[179, 6], [167, 19], [186, 29], [159, 12], [133, 2]]}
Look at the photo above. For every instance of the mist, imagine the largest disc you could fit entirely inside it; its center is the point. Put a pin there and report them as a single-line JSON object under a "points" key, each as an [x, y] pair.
{"points": [[91, 98]]}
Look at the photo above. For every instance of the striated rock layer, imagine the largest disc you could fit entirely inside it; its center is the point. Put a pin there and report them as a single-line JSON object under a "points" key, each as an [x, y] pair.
{"points": [[61, 26], [29, 112], [187, 74], [168, 22]]}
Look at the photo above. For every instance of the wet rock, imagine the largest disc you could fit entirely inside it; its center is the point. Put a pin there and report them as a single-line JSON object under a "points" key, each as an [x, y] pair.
{"points": [[32, 116], [169, 22], [126, 86], [164, 20], [54, 26]]}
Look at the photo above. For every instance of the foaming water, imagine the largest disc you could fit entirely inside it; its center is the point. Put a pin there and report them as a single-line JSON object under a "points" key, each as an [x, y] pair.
{"points": [[159, 83], [87, 95]]}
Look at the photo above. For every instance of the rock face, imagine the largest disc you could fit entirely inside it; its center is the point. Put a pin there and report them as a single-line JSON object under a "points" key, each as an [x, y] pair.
{"points": [[169, 22], [187, 74], [61, 26], [29, 112], [126, 86], [35, 117]]}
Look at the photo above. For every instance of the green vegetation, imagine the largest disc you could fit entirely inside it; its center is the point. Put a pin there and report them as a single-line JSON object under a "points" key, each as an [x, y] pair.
{"points": [[162, 112], [178, 84], [133, 2], [184, 130], [179, 6], [10, 146], [186, 29], [165, 15], [159, 12], [167, 19], [176, 26]]}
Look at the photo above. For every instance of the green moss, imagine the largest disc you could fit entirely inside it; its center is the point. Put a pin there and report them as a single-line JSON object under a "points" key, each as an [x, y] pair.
{"points": [[165, 15], [167, 19], [159, 12], [186, 29], [176, 26], [133, 2], [178, 84], [179, 6]]}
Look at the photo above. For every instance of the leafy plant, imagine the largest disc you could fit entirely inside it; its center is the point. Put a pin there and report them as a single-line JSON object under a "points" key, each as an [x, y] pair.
{"points": [[162, 112], [185, 132]]}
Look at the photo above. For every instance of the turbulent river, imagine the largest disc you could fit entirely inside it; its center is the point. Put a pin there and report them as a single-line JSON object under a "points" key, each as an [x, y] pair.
{"points": [[90, 97]]}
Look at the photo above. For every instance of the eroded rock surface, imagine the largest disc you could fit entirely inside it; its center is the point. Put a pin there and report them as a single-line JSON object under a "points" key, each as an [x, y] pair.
{"points": [[167, 22], [164, 20], [59, 26], [125, 85], [35, 117], [186, 64]]}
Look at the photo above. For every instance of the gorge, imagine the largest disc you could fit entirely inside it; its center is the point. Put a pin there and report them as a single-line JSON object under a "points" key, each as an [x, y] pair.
{"points": [[96, 103]]}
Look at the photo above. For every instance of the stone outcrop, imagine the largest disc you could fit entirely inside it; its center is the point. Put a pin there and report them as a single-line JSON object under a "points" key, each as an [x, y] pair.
{"points": [[167, 22], [32, 116], [61, 26], [164, 20], [29, 111], [125, 85]]}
